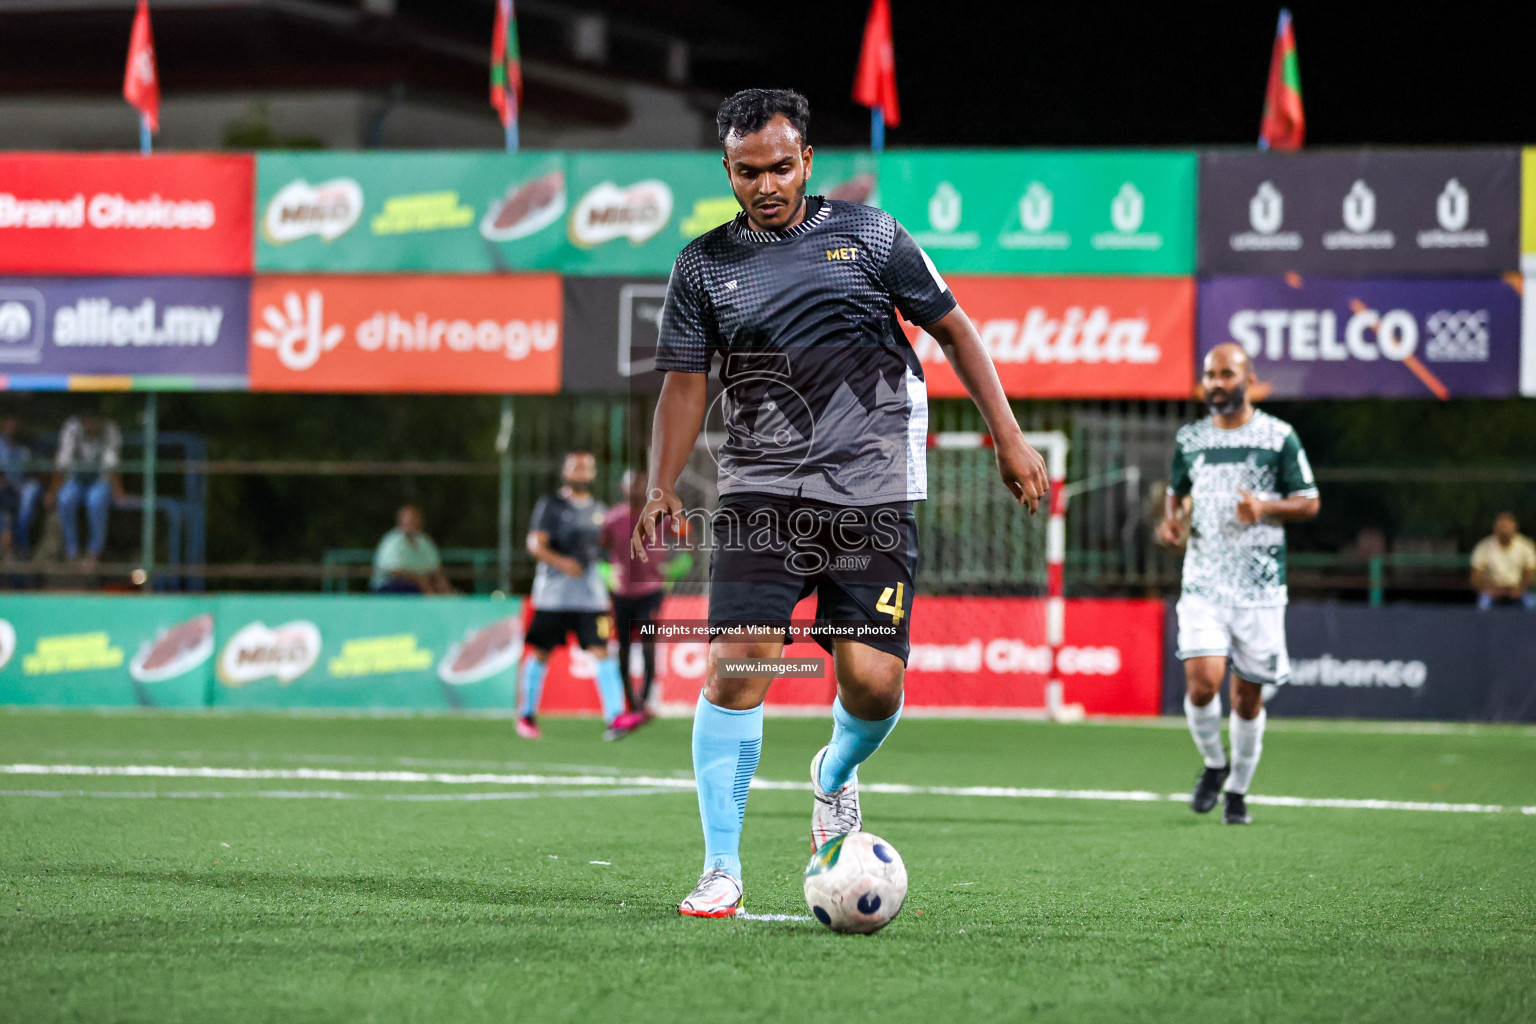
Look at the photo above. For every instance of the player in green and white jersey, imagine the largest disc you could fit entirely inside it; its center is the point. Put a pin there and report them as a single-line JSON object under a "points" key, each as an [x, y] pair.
{"points": [[1243, 475]]}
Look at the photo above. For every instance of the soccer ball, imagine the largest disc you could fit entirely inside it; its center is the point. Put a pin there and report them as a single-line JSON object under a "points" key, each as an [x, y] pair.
{"points": [[856, 883]]}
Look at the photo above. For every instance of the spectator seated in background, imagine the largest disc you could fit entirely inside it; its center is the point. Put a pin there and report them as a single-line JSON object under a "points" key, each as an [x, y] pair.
{"points": [[20, 495], [407, 561], [90, 450], [1504, 566]]}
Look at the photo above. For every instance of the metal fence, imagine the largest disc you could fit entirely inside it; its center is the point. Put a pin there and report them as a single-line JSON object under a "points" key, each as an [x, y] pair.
{"points": [[974, 539]]}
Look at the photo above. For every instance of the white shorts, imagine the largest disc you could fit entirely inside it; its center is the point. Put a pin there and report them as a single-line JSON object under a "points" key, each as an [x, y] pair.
{"points": [[1254, 638]]}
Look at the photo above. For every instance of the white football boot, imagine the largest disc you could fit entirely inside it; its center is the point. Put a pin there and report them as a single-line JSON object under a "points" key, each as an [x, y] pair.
{"points": [[718, 894], [832, 814]]}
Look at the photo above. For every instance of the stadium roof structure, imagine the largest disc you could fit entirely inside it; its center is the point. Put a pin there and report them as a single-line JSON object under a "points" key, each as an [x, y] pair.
{"points": [[1012, 75], [436, 50]]}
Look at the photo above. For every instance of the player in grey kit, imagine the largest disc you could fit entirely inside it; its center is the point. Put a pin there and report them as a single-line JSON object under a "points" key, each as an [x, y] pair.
{"points": [[569, 596], [826, 418]]}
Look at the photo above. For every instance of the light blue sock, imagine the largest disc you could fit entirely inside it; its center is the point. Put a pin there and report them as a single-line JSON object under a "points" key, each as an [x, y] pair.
{"points": [[610, 689], [853, 741], [726, 746], [532, 688]]}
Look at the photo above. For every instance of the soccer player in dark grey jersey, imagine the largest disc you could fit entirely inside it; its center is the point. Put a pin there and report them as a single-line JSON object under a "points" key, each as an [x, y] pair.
{"points": [[825, 414]]}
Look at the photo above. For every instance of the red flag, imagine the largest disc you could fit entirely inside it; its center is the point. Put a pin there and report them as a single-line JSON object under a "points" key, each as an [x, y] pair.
{"points": [[1284, 125], [141, 79], [874, 85], [506, 65]]}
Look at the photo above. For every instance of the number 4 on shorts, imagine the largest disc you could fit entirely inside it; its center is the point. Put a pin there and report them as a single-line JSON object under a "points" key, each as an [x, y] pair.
{"points": [[885, 605]]}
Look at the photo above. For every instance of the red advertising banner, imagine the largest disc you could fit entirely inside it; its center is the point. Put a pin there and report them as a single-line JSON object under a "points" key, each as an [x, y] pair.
{"points": [[110, 214], [414, 334], [984, 653], [1075, 337]]}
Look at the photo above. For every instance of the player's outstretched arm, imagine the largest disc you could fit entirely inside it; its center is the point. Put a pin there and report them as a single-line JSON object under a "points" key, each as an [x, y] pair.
{"points": [[679, 415], [1021, 467]]}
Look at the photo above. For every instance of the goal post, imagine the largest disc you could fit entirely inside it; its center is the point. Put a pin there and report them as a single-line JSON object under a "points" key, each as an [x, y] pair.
{"points": [[1053, 447]]}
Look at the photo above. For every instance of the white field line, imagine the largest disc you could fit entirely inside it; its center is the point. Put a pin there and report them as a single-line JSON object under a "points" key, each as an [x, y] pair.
{"points": [[320, 794], [686, 710], [660, 785], [742, 915]]}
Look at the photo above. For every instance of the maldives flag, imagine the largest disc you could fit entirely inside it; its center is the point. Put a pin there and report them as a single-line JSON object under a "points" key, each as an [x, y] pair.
{"points": [[1284, 124], [506, 65], [874, 85], [141, 80]]}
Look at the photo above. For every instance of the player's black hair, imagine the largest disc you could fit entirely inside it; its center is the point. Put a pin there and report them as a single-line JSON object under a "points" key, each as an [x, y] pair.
{"points": [[749, 110]]}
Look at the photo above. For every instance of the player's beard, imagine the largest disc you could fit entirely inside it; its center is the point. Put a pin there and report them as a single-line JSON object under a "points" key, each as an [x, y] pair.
{"points": [[579, 488], [1225, 402], [795, 204]]}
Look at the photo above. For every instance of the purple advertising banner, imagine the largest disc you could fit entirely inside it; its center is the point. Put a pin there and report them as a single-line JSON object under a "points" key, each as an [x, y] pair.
{"points": [[186, 332], [1361, 213], [1326, 338]]}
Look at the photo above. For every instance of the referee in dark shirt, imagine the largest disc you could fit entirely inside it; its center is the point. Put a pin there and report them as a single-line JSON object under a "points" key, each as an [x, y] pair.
{"points": [[825, 416]]}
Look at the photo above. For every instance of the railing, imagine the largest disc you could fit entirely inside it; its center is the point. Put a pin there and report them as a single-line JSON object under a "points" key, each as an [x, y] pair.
{"points": [[1376, 569], [340, 566]]}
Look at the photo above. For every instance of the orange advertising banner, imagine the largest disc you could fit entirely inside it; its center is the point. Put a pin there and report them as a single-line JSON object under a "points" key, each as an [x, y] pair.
{"points": [[1075, 337], [410, 334]]}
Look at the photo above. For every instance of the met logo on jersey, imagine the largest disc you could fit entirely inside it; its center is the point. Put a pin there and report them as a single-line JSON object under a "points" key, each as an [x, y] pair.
{"points": [[845, 253]]}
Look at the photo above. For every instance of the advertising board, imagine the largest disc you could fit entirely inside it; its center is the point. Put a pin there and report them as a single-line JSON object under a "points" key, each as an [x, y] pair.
{"points": [[394, 212], [100, 213], [1023, 212], [1329, 338], [1362, 213], [1084, 337], [179, 332], [418, 334]]}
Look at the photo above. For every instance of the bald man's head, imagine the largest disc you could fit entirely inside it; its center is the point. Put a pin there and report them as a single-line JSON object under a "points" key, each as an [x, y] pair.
{"points": [[1227, 376], [1231, 354]]}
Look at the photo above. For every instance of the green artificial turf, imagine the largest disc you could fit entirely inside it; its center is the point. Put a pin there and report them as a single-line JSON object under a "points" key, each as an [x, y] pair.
{"points": [[242, 907]]}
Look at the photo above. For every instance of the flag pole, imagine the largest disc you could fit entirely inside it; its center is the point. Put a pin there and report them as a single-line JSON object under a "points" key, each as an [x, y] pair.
{"points": [[512, 123], [144, 138], [877, 129]]}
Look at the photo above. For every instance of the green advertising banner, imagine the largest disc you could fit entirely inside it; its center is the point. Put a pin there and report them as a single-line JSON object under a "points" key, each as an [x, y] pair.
{"points": [[105, 651], [367, 652], [358, 652], [391, 212], [632, 213], [629, 214], [1047, 213]]}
